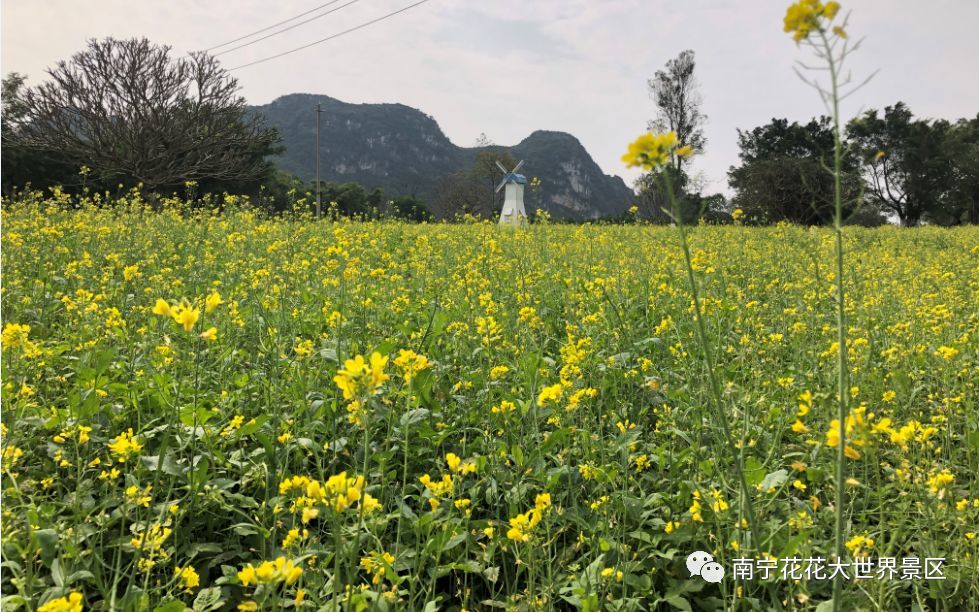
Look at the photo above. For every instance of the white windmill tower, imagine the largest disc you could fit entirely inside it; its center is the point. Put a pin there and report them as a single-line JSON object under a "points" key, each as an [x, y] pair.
{"points": [[513, 212]]}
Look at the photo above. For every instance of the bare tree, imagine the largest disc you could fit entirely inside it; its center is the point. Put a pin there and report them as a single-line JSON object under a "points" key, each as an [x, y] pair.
{"points": [[128, 111], [676, 93]]}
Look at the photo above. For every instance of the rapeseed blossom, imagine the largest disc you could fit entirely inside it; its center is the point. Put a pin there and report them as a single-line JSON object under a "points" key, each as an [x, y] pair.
{"points": [[808, 16], [70, 603], [653, 151]]}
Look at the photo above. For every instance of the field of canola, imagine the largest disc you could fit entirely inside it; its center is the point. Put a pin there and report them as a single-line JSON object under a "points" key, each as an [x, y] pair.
{"points": [[225, 412]]}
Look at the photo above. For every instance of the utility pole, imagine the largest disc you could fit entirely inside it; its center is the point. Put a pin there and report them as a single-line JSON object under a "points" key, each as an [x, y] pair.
{"points": [[319, 110]]}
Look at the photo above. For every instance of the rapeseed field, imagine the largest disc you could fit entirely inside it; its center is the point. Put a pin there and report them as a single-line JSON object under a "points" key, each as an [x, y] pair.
{"points": [[233, 411]]}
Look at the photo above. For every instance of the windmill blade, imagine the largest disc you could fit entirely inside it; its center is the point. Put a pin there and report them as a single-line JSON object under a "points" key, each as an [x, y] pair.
{"points": [[500, 186], [500, 166], [517, 167]]}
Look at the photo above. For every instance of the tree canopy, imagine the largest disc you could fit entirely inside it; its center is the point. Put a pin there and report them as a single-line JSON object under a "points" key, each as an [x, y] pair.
{"points": [[131, 113]]}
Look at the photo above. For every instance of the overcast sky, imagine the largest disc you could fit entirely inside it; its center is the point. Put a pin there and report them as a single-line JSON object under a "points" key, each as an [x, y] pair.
{"points": [[508, 67]]}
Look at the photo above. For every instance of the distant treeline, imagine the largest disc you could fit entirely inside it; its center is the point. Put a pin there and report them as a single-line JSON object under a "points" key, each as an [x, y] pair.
{"points": [[192, 133]]}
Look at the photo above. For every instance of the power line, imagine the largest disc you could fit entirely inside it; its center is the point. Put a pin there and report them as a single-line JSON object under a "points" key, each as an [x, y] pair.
{"points": [[337, 35], [265, 29], [286, 29]]}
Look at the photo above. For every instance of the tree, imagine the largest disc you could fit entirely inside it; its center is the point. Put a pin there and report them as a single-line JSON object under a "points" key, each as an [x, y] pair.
{"points": [[22, 165], [409, 208], [131, 113], [961, 204], [677, 96], [906, 168], [784, 174]]}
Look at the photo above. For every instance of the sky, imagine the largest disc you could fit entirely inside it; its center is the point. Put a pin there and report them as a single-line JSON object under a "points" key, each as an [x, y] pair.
{"points": [[508, 67]]}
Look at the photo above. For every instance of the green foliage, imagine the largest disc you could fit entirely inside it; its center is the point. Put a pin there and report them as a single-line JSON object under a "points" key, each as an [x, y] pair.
{"points": [[785, 174], [919, 169]]}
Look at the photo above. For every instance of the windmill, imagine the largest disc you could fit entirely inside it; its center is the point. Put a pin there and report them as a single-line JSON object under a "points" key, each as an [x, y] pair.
{"points": [[513, 212]]}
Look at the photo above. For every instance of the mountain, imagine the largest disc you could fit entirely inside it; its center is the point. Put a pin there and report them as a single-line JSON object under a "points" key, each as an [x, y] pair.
{"points": [[403, 151]]}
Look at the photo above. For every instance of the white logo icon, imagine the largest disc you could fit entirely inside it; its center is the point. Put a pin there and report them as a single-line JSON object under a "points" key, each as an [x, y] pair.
{"points": [[697, 560], [712, 572], [702, 564]]}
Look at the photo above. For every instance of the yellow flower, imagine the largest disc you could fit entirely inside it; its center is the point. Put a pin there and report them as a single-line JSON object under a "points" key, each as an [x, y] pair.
{"points": [[211, 334], [652, 151], [377, 563], [359, 379], [212, 301], [161, 308], [71, 603], [498, 372], [246, 575], [805, 403], [938, 481], [550, 394], [188, 577], [270, 572], [125, 445], [857, 544], [459, 466], [685, 151], [185, 315], [138, 497], [16, 336], [800, 427], [806, 16], [411, 363]]}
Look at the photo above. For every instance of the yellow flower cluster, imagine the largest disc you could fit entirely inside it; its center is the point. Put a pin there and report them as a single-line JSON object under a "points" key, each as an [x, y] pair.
{"points": [[550, 394], [339, 493], [522, 525], [16, 336], [281, 570], [938, 481], [459, 466], [411, 364], [859, 544], [653, 151], [188, 577], [359, 380], [183, 314], [125, 445], [807, 16], [71, 603], [377, 565], [149, 542]]}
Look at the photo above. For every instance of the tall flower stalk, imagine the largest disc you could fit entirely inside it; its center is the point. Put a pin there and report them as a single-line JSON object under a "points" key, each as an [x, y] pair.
{"points": [[653, 152], [814, 25]]}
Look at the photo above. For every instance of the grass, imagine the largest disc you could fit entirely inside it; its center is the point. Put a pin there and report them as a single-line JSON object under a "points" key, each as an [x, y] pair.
{"points": [[555, 445]]}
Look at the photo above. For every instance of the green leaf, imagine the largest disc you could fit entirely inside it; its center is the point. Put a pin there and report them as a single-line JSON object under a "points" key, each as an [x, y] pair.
{"points": [[12, 602], [454, 541], [678, 602], [414, 416], [47, 541], [208, 599], [423, 385], [56, 573], [171, 606], [754, 471], [774, 480], [825, 606]]}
